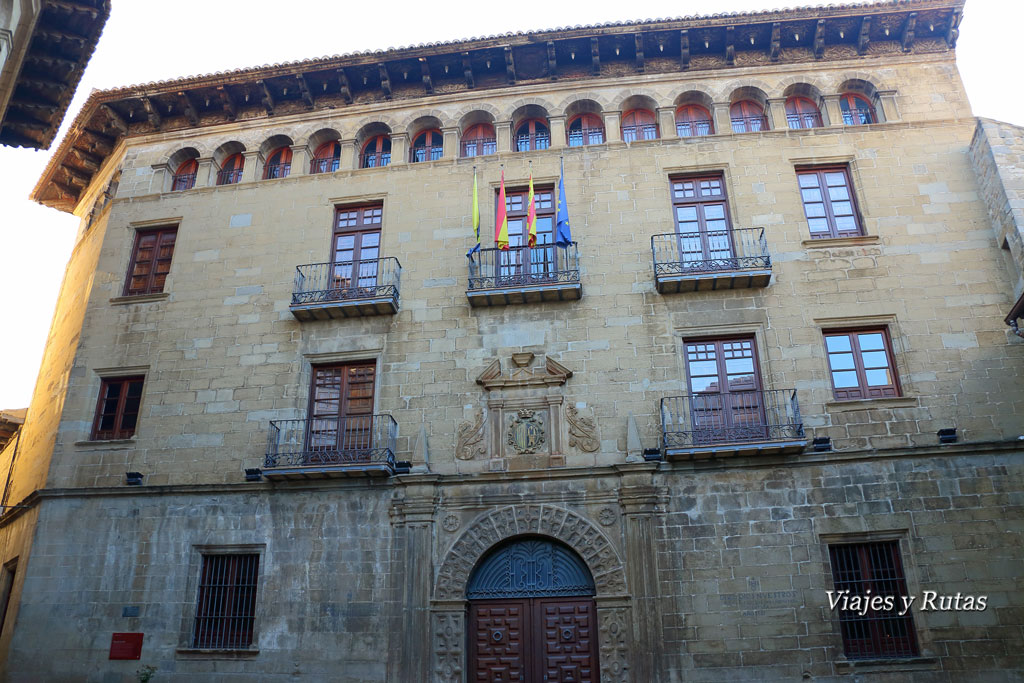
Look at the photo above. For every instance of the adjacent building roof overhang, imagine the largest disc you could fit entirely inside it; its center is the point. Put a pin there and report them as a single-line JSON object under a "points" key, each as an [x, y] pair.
{"points": [[62, 41], [10, 422], [568, 53]]}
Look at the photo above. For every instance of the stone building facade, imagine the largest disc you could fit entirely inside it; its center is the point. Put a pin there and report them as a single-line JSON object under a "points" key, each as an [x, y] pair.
{"points": [[641, 456]]}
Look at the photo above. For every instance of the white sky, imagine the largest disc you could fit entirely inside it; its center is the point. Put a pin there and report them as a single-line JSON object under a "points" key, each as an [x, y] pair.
{"points": [[150, 41]]}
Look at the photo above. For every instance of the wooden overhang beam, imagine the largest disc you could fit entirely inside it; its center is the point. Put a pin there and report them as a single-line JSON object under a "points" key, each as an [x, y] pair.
{"points": [[385, 79], [304, 91], [730, 45], [77, 176], [639, 38], [510, 65], [151, 112], [71, 6], [64, 191], [819, 39], [186, 106], [228, 102], [467, 71], [908, 32], [552, 62], [343, 87], [595, 56], [59, 35], [684, 49], [428, 82], [954, 29], [775, 46], [51, 60], [116, 120], [865, 36], [87, 159], [266, 97]]}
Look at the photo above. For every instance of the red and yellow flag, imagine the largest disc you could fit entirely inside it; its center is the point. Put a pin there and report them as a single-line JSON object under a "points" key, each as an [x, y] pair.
{"points": [[501, 218], [531, 216]]}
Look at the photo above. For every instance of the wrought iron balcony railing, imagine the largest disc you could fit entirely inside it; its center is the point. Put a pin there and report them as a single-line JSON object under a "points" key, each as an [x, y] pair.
{"points": [[798, 121], [687, 129], [346, 289], [647, 131], [229, 177], [276, 171], [375, 160], [329, 165], [749, 124], [546, 272], [354, 444], [586, 136], [741, 420], [426, 154], [716, 257], [858, 117], [538, 140], [183, 181], [479, 147]]}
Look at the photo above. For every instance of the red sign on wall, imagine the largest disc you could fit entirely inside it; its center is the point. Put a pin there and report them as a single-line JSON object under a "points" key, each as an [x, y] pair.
{"points": [[126, 646]]}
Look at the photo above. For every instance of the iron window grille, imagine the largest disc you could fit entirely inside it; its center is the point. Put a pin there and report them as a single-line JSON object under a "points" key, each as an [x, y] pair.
{"points": [[226, 604]]}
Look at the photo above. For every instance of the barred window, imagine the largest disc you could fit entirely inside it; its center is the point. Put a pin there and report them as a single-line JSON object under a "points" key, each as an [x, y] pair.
{"points": [[866, 570], [226, 605]]}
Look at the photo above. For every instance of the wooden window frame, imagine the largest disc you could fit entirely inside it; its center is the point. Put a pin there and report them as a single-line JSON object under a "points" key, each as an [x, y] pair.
{"points": [[185, 175], [230, 172], [870, 625], [484, 143], [849, 98], [862, 391], [200, 639], [723, 199], [429, 148], [585, 137], [745, 117], [636, 127], [379, 161], [833, 229], [531, 135], [803, 110], [329, 151], [727, 415], [154, 261], [118, 431], [283, 165], [688, 110]]}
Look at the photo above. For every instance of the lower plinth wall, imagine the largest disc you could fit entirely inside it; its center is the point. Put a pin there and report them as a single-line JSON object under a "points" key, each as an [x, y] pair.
{"points": [[740, 556]]}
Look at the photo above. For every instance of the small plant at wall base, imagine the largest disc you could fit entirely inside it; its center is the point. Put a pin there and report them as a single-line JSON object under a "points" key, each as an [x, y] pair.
{"points": [[146, 673]]}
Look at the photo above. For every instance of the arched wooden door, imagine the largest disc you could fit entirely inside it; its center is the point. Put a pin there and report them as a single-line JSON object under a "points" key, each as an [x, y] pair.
{"points": [[531, 616]]}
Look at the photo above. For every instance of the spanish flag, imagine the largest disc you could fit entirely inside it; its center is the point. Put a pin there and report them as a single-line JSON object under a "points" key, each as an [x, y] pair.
{"points": [[501, 218], [531, 216]]}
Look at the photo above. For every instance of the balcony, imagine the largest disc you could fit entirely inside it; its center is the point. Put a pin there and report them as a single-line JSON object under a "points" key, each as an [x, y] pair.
{"points": [[229, 177], [346, 289], [806, 120], [646, 131], [720, 259], [706, 425], [749, 124], [332, 447], [520, 275], [586, 136], [183, 181], [479, 147]]}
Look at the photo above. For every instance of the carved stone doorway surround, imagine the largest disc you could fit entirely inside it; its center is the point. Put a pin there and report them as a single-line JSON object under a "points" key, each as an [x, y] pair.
{"points": [[448, 606]]}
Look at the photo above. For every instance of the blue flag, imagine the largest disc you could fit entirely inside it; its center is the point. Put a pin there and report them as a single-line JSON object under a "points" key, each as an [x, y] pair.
{"points": [[563, 235]]}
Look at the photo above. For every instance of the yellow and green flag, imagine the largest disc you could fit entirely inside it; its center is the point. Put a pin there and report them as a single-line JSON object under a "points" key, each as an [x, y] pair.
{"points": [[476, 218]]}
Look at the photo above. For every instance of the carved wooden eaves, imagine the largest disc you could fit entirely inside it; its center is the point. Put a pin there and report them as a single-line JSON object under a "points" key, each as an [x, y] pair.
{"points": [[521, 376]]}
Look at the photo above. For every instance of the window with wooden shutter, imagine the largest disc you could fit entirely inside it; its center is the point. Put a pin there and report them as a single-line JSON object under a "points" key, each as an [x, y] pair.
{"points": [[117, 412], [151, 261]]}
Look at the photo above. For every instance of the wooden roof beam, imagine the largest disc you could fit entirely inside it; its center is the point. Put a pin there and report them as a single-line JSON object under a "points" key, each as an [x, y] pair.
{"points": [[343, 87], [595, 56], [865, 35], [116, 120], [908, 32], [70, 6], [428, 83], [775, 46], [510, 65], [229, 102], [266, 98], [819, 39], [87, 159], [51, 60], [59, 35], [385, 79], [100, 139], [684, 50], [552, 62], [639, 38], [730, 45], [190, 111], [467, 70], [151, 112], [307, 94], [64, 190], [77, 176]]}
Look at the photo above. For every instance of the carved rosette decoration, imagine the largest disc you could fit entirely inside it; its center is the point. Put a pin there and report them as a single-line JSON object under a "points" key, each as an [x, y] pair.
{"points": [[582, 431], [451, 522], [469, 441], [526, 433], [489, 529]]}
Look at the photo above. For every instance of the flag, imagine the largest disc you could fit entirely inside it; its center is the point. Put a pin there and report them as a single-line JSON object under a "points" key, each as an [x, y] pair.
{"points": [[563, 236], [476, 219], [501, 218], [531, 216]]}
